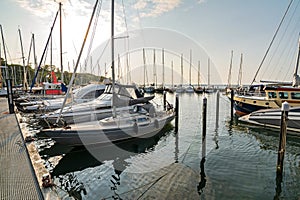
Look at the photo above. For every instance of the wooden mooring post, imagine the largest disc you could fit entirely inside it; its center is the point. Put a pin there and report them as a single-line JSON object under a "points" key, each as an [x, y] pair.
{"points": [[282, 140], [165, 100], [204, 113], [217, 109], [231, 103], [176, 112]]}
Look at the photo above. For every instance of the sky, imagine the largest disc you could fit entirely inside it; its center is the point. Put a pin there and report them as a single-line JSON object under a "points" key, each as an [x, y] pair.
{"points": [[204, 31]]}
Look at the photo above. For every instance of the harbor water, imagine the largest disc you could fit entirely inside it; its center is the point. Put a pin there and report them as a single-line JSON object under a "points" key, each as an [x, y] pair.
{"points": [[240, 161]]}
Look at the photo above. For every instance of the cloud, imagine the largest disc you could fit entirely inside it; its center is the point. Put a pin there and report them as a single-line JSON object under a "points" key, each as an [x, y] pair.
{"points": [[46, 8], [201, 1], [155, 8]]}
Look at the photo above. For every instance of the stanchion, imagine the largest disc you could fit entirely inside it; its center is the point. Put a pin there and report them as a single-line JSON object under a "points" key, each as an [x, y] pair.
{"points": [[204, 112]]}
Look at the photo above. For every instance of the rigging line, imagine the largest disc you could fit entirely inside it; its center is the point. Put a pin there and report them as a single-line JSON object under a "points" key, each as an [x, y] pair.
{"points": [[95, 27], [272, 41], [286, 44], [94, 32], [102, 53], [289, 59]]}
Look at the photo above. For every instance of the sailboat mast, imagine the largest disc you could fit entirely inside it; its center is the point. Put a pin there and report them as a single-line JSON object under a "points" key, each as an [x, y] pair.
{"points": [[181, 65], [229, 73], [240, 72], [144, 60], [208, 72], [198, 73], [34, 53], [163, 68], [154, 68], [190, 75], [112, 56], [4, 51], [77, 63], [25, 84], [172, 74], [35, 76], [60, 35], [297, 63]]}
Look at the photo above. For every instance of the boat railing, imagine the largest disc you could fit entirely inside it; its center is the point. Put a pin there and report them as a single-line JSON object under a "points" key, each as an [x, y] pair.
{"points": [[250, 93]]}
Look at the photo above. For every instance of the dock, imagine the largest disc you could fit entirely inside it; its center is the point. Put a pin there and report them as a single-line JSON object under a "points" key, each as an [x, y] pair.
{"points": [[17, 177]]}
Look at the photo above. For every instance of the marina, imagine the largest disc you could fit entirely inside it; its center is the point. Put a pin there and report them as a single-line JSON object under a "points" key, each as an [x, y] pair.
{"points": [[123, 121], [240, 160]]}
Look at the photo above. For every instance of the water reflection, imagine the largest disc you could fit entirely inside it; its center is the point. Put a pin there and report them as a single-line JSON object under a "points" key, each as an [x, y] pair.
{"points": [[72, 186], [202, 182], [73, 160]]}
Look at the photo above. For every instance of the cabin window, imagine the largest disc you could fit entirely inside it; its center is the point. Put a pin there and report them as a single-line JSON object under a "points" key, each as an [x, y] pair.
{"points": [[283, 95], [267, 103], [89, 95], [272, 95], [254, 101], [295, 95]]}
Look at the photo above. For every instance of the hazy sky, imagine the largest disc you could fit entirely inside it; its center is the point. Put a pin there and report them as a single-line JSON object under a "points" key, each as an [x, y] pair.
{"points": [[210, 27]]}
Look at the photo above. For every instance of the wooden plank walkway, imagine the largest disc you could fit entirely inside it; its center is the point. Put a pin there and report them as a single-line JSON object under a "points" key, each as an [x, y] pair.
{"points": [[17, 177]]}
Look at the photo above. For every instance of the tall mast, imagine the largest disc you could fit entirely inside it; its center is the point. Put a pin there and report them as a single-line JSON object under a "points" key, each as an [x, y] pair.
{"points": [[25, 84], [163, 69], [60, 31], [229, 73], [144, 60], [172, 74], [181, 65], [198, 73], [208, 72], [190, 75], [295, 76], [35, 76], [77, 63], [154, 69], [113, 56], [4, 51], [240, 72]]}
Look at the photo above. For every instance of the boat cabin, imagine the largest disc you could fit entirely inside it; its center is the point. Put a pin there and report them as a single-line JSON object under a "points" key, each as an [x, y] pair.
{"points": [[282, 94]]}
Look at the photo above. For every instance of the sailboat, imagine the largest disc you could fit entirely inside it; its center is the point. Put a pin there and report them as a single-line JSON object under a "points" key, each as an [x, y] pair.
{"points": [[180, 88], [190, 88], [147, 89], [209, 89], [142, 121], [269, 96], [198, 89]]}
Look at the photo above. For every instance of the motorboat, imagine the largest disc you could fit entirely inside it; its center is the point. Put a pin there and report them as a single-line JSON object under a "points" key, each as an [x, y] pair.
{"points": [[141, 122], [271, 118], [99, 108], [80, 95]]}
